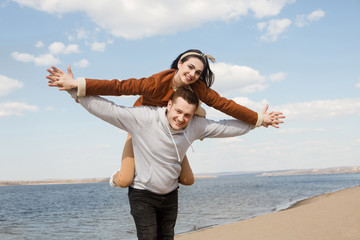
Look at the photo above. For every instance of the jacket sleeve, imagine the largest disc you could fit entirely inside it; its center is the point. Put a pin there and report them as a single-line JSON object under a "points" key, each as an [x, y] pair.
{"points": [[115, 87], [119, 116], [229, 107]]}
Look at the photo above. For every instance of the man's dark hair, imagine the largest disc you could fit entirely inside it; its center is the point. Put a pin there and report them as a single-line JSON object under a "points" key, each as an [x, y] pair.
{"points": [[188, 95]]}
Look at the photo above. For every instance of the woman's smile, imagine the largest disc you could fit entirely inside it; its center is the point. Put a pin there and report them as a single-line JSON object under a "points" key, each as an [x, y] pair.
{"points": [[189, 71]]}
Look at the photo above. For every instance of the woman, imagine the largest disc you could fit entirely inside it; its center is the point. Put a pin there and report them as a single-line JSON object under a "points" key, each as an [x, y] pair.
{"points": [[190, 69]]}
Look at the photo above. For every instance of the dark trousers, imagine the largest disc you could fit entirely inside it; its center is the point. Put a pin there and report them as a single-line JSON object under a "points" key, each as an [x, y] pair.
{"points": [[154, 215]]}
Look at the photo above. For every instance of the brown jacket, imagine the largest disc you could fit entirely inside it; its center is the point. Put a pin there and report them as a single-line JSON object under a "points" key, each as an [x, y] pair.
{"points": [[157, 90]]}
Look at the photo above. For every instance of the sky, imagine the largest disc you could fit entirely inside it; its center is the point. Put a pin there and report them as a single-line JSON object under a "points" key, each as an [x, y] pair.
{"points": [[300, 57]]}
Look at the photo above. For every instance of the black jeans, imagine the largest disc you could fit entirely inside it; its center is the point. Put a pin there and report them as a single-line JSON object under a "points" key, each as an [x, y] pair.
{"points": [[154, 215]]}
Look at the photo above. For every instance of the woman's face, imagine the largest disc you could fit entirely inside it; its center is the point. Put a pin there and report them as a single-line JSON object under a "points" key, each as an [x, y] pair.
{"points": [[190, 71]]}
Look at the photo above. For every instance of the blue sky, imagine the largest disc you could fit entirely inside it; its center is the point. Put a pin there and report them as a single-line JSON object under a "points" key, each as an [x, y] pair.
{"points": [[300, 57]]}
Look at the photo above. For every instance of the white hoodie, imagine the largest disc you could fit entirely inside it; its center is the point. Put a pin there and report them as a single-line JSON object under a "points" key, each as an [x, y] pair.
{"points": [[158, 149]]}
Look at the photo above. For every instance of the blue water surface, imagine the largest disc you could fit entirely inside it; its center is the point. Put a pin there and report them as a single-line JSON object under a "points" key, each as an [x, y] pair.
{"points": [[97, 211]]}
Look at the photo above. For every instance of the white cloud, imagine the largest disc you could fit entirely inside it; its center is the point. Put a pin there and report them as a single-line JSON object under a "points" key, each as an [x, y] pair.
{"points": [[60, 48], [83, 63], [301, 130], [244, 101], [304, 111], [303, 20], [22, 57], [39, 44], [273, 29], [8, 84], [46, 60], [357, 142], [231, 140], [316, 15], [292, 130], [320, 109], [235, 78], [277, 77], [42, 60], [267, 8], [142, 18], [261, 26], [80, 34], [56, 48], [98, 46], [16, 109]]}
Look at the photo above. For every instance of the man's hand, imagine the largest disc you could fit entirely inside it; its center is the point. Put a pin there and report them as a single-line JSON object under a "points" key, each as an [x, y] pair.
{"points": [[272, 118]]}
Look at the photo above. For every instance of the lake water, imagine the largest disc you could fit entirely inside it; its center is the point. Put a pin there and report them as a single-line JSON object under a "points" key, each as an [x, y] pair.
{"points": [[97, 211]]}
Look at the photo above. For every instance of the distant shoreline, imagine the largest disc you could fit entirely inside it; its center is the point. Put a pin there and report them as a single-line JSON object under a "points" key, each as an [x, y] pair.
{"points": [[53, 181], [337, 170]]}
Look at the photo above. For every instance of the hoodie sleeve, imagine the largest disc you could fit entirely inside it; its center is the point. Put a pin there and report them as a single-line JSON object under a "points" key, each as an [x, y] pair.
{"points": [[119, 116], [206, 128]]}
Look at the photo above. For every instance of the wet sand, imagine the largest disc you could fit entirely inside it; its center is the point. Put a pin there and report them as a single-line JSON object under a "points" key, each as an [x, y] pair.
{"points": [[332, 216]]}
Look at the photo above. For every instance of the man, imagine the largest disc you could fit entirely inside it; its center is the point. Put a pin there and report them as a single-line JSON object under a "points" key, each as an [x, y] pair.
{"points": [[161, 137]]}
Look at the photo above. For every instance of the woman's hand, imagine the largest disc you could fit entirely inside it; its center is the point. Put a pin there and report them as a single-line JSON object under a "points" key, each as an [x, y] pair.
{"points": [[272, 118], [60, 79]]}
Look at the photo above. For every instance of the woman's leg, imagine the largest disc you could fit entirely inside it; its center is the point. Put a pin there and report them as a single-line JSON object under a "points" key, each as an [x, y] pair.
{"points": [[125, 176], [186, 176]]}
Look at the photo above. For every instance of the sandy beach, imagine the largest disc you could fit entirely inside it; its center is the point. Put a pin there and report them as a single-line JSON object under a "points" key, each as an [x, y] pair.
{"points": [[332, 216]]}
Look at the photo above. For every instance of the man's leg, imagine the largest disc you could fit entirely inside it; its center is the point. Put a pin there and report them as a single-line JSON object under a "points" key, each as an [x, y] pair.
{"points": [[143, 210], [166, 216]]}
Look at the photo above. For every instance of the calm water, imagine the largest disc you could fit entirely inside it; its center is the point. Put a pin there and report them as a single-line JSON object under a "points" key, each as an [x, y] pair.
{"points": [[97, 211]]}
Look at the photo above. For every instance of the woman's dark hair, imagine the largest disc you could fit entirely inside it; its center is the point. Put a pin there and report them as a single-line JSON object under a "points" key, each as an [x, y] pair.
{"points": [[207, 76]]}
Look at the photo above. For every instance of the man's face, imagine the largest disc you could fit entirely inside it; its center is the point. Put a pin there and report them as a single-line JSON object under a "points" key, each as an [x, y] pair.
{"points": [[179, 113]]}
